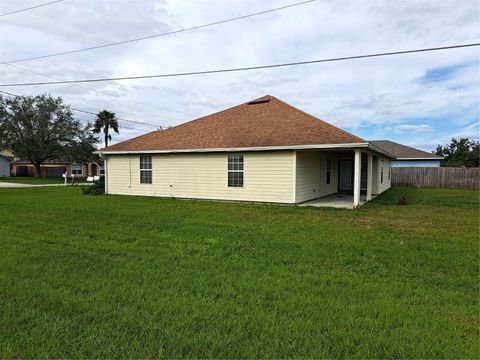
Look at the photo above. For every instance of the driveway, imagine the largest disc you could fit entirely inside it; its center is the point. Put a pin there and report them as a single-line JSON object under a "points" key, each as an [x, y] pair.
{"points": [[16, 185]]}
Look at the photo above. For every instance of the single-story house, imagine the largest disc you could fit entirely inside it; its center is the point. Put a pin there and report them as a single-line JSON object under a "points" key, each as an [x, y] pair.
{"points": [[406, 156], [56, 168], [261, 151], [5, 162]]}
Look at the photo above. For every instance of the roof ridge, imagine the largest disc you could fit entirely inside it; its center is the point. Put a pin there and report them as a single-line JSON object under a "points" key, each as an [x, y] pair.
{"points": [[272, 122]]}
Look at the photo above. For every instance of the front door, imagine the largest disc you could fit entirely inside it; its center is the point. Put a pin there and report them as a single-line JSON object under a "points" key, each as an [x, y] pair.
{"points": [[345, 179]]}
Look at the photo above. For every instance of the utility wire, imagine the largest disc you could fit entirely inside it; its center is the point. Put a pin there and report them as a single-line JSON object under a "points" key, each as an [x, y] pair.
{"points": [[83, 86], [31, 7], [92, 113], [128, 120], [159, 35], [227, 70]]}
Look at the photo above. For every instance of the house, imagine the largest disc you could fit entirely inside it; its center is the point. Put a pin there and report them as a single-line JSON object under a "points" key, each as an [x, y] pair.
{"points": [[262, 151], [406, 156], [6, 158], [55, 169]]}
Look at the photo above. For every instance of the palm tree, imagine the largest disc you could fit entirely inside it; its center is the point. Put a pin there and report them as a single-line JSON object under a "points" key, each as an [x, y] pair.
{"points": [[105, 120]]}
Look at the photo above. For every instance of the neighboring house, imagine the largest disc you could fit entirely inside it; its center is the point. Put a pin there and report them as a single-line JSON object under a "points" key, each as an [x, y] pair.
{"points": [[262, 151], [5, 162], [406, 156], [57, 168]]}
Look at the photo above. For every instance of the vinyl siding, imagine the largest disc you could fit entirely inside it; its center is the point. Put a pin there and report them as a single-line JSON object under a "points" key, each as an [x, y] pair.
{"points": [[311, 175], [375, 178], [380, 186], [268, 176]]}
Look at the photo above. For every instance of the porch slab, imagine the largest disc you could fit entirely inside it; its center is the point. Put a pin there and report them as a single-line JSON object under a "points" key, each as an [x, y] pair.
{"points": [[341, 201]]}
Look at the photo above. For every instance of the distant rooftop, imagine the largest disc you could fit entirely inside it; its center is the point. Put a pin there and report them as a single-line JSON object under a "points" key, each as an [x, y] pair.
{"points": [[404, 152]]}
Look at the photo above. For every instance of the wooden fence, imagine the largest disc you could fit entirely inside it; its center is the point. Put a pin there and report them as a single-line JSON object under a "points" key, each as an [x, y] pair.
{"points": [[438, 177]]}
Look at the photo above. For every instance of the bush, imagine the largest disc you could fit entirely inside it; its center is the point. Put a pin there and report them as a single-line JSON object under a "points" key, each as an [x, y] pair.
{"points": [[97, 188]]}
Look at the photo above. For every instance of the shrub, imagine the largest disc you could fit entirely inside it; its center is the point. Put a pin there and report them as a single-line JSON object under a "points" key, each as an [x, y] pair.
{"points": [[97, 188]]}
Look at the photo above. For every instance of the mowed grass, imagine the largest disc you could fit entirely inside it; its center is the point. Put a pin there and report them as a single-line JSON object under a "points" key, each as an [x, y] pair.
{"points": [[117, 276], [30, 180]]}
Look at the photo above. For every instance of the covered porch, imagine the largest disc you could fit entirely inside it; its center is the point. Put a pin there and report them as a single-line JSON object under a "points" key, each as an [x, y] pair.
{"points": [[344, 178]]}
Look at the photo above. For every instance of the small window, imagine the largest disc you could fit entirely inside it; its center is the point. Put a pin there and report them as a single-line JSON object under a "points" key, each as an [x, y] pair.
{"points": [[102, 170], [235, 170], [329, 170], [76, 169], [381, 173], [145, 169], [389, 172]]}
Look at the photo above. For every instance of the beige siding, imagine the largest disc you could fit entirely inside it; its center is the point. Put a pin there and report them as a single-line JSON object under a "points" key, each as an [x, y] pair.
{"points": [[268, 176], [377, 185], [375, 178], [311, 175]]}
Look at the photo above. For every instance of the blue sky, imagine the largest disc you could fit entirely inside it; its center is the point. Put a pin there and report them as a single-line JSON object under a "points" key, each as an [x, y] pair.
{"points": [[416, 99]]}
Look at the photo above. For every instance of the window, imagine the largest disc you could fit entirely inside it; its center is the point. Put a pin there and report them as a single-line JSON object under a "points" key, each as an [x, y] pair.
{"points": [[145, 169], [76, 169], [381, 173], [329, 170], [389, 172], [235, 170], [102, 170]]}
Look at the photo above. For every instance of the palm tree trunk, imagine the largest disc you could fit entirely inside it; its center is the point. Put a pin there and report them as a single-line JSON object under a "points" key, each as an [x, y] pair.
{"points": [[106, 137]]}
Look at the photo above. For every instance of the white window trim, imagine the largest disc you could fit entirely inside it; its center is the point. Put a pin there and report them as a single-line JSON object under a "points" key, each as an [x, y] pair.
{"points": [[145, 170], [236, 171], [328, 172], [77, 167], [381, 171]]}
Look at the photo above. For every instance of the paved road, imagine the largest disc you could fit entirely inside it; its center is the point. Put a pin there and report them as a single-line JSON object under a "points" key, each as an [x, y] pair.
{"points": [[16, 185]]}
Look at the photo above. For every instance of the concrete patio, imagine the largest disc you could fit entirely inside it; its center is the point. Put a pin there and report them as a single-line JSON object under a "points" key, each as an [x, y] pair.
{"points": [[342, 201]]}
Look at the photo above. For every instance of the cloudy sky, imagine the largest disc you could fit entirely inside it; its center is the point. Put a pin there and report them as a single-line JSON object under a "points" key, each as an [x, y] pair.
{"points": [[416, 99]]}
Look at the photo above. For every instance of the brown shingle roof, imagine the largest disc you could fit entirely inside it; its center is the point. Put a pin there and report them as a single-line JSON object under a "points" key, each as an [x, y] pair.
{"points": [[403, 152], [263, 122]]}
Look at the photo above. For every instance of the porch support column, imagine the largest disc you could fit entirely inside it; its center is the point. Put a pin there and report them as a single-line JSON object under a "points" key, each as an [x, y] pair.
{"points": [[369, 176], [356, 178]]}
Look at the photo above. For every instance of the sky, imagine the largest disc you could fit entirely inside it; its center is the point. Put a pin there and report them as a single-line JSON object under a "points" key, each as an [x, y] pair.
{"points": [[421, 99]]}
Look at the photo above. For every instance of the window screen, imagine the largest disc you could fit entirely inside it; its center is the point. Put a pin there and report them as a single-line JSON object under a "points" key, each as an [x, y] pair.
{"points": [[77, 169], [235, 170], [329, 170], [145, 169]]}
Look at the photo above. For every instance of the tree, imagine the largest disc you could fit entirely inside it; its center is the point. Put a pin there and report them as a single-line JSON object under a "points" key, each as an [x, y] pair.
{"points": [[40, 128], [105, 121], [458, 153]]}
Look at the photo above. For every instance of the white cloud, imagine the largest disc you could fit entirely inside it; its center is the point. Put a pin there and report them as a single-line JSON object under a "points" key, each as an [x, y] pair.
{"points": [[381, 92], [412, 129]]}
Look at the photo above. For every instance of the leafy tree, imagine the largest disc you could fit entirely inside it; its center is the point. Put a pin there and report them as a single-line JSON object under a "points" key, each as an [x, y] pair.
{"points": [[40, 128], [105, 121], [458, 153]]}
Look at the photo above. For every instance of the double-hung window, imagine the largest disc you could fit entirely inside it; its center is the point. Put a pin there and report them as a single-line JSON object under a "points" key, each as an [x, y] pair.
{"points": [[235, 170], [145, 169], [76, 169], [381, 173], [329, 170]]}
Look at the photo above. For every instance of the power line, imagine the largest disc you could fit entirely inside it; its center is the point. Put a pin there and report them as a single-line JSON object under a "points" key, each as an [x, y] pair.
{"points": [[122, 119], [205, 72], [92, 113], [31, 7], [21, 68], [159, 35]]}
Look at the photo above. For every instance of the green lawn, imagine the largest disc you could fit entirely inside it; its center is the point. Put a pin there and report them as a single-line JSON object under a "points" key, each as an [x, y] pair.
{"points": [[30, 180], [116, 276]]}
